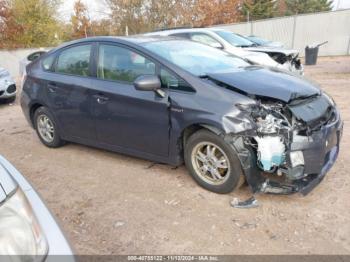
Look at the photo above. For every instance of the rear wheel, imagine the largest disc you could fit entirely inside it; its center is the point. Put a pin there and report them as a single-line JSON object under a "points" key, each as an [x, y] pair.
{"points": [[46, 128], [213, 163]]}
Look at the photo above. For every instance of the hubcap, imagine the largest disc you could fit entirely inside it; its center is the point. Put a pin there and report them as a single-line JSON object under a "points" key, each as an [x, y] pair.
{"points": [[45, 128], [210, 163]]}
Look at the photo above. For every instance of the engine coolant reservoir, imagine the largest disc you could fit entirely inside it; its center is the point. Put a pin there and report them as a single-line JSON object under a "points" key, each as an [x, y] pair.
{"points": [[271, 151]]}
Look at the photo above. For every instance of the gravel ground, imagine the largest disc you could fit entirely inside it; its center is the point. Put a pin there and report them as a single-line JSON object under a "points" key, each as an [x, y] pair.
{"points": [[108, 203]]}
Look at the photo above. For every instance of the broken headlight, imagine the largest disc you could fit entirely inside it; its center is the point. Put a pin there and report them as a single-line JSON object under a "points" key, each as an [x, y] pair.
{"points": [[20, 232]]}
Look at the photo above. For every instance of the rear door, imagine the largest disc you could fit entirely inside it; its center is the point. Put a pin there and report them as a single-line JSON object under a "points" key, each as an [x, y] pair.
{"points": [[68, 91], [137, 121]]}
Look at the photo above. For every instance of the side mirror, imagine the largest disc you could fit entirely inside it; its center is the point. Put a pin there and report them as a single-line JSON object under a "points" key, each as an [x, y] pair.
{"points": [[147, 83]]}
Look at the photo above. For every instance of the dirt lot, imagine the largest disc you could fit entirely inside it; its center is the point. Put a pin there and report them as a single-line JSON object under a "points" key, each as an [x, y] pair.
{"points": [[113, 204]]}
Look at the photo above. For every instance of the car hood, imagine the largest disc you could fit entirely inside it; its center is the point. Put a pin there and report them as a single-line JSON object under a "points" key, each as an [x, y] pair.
{"points": [[259, 58], [266, 82], [270, 49]]}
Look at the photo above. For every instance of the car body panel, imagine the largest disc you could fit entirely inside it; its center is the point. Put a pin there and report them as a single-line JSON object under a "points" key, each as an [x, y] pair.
{"points": [[263, 42], [256, 80], [130, 118], [10, 178]]}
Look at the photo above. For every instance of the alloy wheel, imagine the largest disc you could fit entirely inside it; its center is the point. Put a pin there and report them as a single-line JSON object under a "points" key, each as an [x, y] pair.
{"points": [[46, 128], [210, 163]]}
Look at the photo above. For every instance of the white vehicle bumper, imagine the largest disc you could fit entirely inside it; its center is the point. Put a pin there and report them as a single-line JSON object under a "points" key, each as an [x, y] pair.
{"points": [[8, 88]]}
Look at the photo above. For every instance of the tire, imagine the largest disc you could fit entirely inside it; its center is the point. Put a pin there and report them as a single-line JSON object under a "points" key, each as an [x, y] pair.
{"points": [[54, 140], [10, 100], [232, 176]]}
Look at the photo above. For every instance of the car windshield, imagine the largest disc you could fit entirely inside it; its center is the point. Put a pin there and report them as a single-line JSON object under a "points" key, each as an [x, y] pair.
{"points": [[234, 39], [258, 40], [195, 58]]}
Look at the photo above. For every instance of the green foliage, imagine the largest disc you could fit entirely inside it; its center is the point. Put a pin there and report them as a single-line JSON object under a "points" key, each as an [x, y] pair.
{"points": [[31, 23], [259, 9], [307, 6]]}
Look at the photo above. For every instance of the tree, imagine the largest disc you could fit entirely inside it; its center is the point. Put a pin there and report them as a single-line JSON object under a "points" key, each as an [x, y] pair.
{"points": [[8, 26], [307, 6], [146, 15], [29, 23], [101, 27], [217, 12], [259, 9], [128, 15], [81, 24]]}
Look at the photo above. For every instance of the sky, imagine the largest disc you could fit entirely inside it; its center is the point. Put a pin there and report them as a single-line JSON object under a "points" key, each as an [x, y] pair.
{"points": [[97, 8]]}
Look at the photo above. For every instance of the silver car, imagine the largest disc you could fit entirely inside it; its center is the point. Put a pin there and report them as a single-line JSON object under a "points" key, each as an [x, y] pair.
{"points": [[27, 228], [285, 59], [8, 88]]}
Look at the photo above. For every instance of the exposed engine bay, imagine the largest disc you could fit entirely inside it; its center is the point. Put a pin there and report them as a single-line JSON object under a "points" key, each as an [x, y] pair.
{"points": [[280, 128], [290, 62]]}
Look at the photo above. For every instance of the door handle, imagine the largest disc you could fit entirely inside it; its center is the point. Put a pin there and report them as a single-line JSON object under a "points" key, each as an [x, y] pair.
{"points": [[101, 99], [52, 87]]}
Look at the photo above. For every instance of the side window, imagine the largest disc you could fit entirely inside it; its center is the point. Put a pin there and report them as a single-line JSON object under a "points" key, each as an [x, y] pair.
{"points": [[205, 39], [121, 64], [47, 62], [74, 61], [171, 81]]}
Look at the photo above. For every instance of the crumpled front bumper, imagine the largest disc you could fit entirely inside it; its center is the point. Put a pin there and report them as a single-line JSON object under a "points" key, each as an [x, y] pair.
{"points": [[320, 152], [292, 67]]}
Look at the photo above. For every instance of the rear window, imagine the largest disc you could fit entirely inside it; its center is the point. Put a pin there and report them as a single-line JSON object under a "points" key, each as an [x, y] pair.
{"points": [[74, 61]]}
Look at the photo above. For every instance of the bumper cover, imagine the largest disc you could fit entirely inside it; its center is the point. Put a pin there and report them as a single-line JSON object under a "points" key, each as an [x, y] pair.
{"points": [[7, 88], [320, 152]]}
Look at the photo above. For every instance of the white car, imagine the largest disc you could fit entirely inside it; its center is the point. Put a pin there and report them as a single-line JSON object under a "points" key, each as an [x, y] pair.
{"points": [[237, 45], [8, 88]]}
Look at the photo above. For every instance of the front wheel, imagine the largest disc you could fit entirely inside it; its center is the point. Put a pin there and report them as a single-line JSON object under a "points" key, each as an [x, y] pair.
{"points": [[212, 162]]}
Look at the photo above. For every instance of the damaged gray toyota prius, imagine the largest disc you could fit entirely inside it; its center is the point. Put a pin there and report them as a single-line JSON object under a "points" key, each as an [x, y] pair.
{"points": [[173, 101]]}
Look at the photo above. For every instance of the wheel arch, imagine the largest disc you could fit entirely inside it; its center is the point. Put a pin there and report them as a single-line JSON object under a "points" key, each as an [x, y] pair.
{"points": [[193, 128], [35, 106]]}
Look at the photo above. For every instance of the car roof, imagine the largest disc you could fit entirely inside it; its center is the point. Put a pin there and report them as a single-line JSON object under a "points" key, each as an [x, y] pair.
{"points": [[137, 40], [184, 30]]}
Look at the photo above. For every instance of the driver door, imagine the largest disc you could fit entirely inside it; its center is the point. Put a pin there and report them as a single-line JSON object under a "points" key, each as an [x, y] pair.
{"points": [[125, 118]]}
